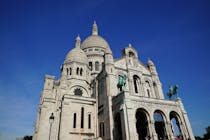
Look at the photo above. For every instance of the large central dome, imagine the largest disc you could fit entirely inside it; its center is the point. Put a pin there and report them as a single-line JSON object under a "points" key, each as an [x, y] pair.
{"points": [[94, 40]]}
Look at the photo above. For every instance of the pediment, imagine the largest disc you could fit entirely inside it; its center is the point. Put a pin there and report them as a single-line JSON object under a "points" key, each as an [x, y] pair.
{"points": [[134, 64], [120, 63]]}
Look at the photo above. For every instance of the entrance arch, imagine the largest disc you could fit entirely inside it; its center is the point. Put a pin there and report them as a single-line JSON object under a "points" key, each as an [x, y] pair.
{"points": [[142, 124], [175, 124], [117, 127], [160, 125]]}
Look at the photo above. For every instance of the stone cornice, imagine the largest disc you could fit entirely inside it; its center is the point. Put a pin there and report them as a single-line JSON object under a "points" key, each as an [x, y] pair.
{"points": [[49, 100], [93, 55], [79, 98], [150, 100], [142, 100]]}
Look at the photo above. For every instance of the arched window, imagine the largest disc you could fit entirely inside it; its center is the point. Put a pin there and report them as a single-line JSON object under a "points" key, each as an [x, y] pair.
{"points": [[75, 120], [82, 117], [89, 121], [81, 70], [160, 125], [131, 54], [147, 83], [67, 71], [148, 93], [102, 64], [102, 131], [175, 124], [147, 86], [91, 66], [96, 66], [77, 71], [117, 127], [136, 81], [142, 124]]}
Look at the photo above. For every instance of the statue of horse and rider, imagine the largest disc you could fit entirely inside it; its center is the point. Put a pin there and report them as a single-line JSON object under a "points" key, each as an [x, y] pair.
{"points": [[121, 82], [173, 90]]}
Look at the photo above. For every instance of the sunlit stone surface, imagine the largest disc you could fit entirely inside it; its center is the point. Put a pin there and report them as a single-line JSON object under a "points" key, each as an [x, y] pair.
{"points": [[99, 98]]}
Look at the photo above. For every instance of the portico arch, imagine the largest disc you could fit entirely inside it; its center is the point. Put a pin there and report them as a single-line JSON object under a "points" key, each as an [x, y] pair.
{"points": [[175, 124], [117, 127], [160, 126], [142, 125]]}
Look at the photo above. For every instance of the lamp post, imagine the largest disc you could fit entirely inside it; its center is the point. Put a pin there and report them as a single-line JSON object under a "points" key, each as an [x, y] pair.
{"points": [[51, 120]]}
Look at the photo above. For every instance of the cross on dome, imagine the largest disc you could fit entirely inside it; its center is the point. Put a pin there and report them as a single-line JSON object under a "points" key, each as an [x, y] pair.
{"points": [[95, 28], [78, 42]]}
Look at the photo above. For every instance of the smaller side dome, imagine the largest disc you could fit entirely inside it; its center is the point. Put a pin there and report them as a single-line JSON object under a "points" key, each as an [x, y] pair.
{"points": [[77, 54]]}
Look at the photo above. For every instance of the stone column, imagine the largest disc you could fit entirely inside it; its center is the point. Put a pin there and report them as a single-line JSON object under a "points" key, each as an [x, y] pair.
{"points": [[142, 85], [190, 133], [133, 132], [111, 123], [182, 129], [124, 122], [186, 121], [96, 110], [152, 126], [169, 130], [131, 88]]}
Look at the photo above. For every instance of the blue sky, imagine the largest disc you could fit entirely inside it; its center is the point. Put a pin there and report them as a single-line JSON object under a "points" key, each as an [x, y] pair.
{"points": [[35, 37]]}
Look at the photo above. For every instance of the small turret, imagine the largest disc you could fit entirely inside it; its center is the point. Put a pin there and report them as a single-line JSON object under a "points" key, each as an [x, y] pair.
{"points": [[75, 65], [129, 52], [78, 42], [49, 82], [108, 56], [151, 67]]}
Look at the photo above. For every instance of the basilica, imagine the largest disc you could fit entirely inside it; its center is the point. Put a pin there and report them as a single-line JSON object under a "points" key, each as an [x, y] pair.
{"points": [[98, 97]]}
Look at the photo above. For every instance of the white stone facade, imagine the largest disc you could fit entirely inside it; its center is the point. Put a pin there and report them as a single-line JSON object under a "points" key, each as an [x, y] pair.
{"points": [[88, 102]]}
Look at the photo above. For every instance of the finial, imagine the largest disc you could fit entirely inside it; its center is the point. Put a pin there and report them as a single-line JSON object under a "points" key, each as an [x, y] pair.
{"points": [[95, 28], [150, 63], [78, 41], [129, 45]]}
